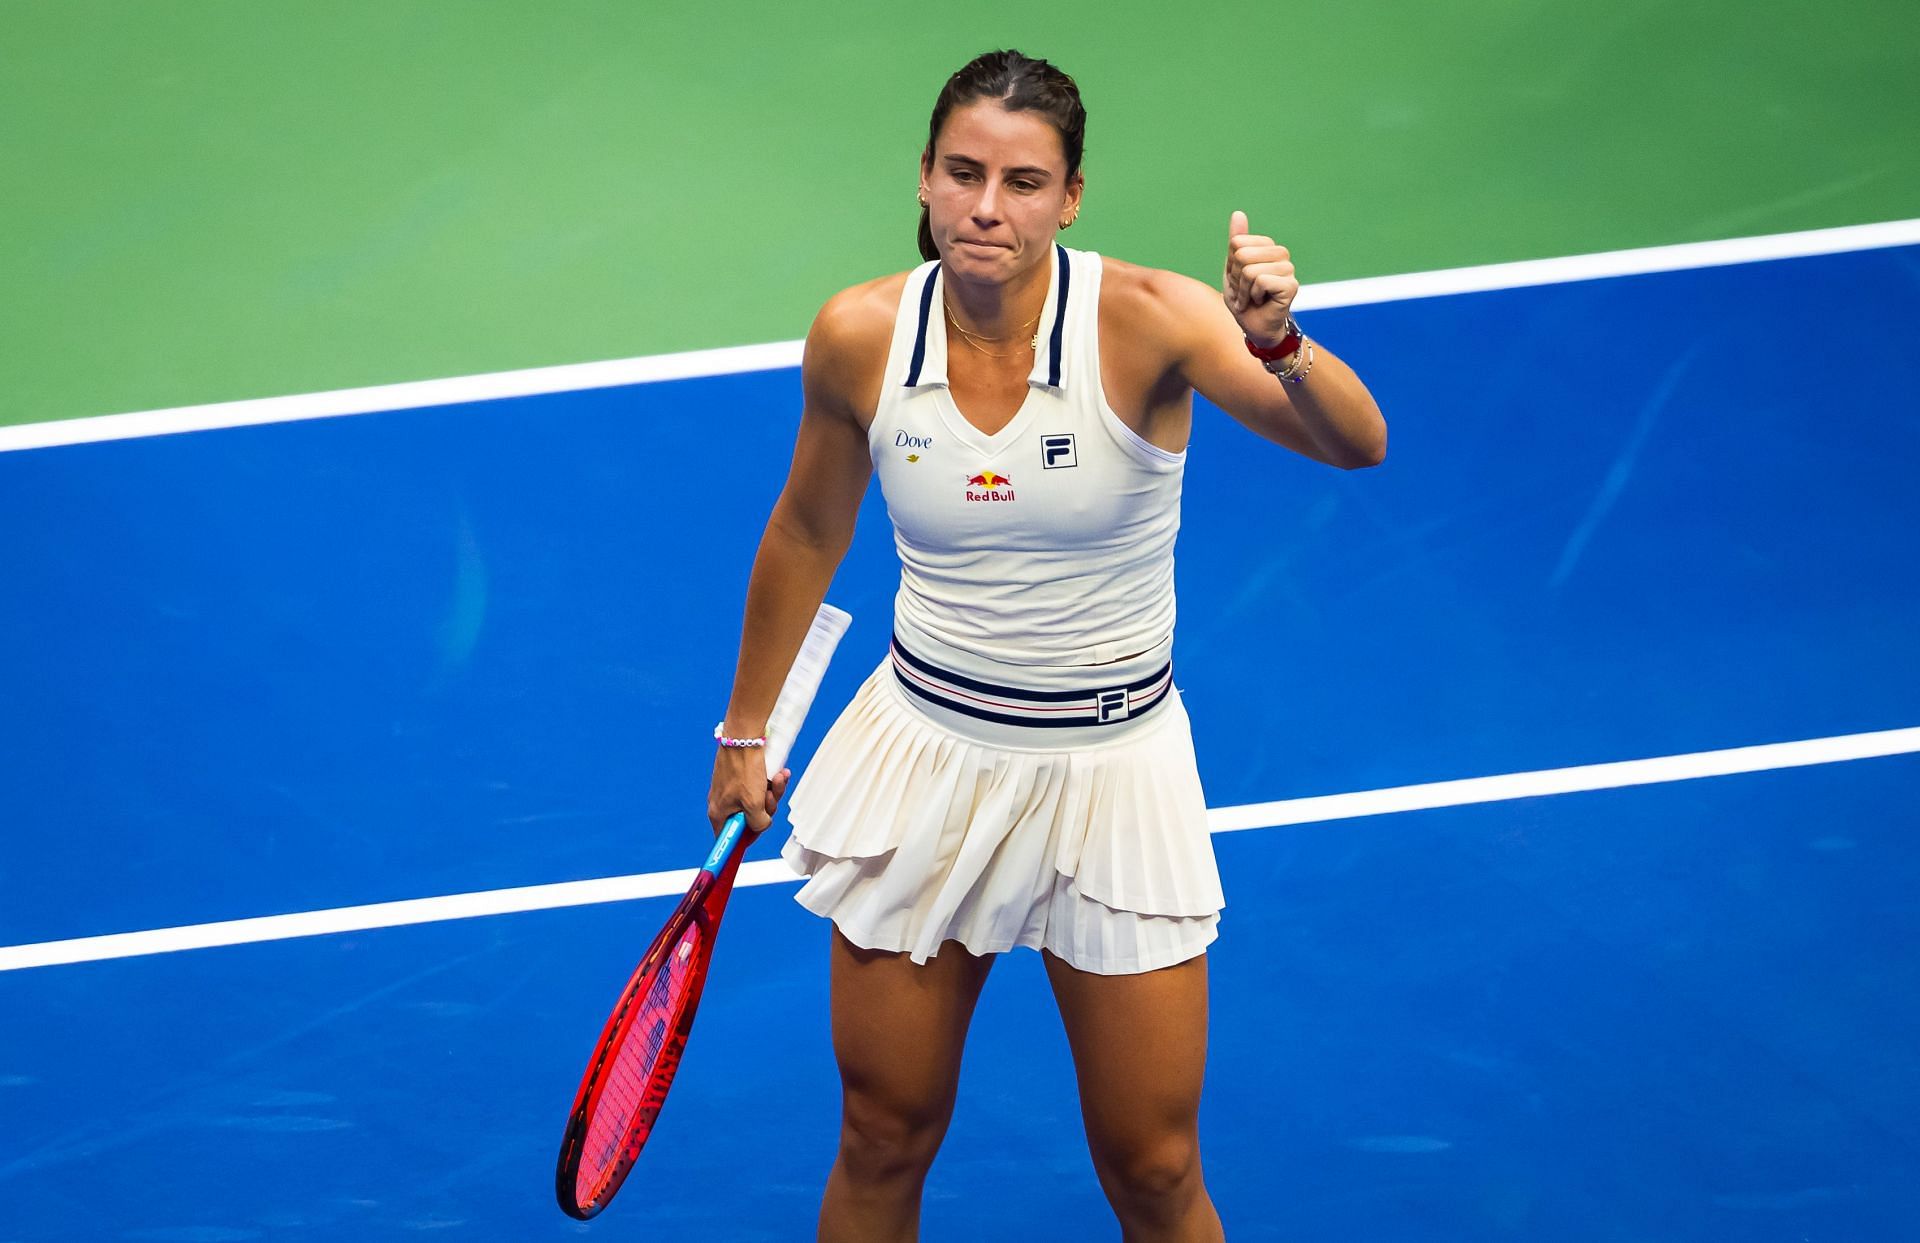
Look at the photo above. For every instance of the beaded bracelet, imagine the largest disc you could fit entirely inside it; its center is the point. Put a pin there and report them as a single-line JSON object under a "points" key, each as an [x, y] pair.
{"points": [[1302, 364], [720, 736]]}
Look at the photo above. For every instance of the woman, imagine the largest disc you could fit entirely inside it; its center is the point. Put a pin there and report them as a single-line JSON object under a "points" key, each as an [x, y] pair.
{"points": [[1019, 770]]}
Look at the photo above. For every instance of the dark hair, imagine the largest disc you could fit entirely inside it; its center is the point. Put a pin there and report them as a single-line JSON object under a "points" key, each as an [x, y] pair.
{"points": [[1021, 84]]}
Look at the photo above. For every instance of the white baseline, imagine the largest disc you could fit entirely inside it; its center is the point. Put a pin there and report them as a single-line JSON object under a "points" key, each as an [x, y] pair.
{"points": [[775, 871], [733, 360]]}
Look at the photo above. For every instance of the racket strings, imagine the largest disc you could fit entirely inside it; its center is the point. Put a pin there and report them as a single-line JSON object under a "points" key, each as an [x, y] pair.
{"points": [[631, 1072]]}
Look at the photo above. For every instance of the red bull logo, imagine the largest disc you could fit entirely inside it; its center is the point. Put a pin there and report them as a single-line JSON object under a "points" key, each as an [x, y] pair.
{"points": [[989, 486]]}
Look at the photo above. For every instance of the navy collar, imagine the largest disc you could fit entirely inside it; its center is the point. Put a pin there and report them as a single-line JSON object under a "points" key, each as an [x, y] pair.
{"points": [[929, 365]]}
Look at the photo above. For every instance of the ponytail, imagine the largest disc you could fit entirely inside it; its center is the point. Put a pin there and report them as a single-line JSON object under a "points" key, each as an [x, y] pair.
{"points": [[927, 249]]}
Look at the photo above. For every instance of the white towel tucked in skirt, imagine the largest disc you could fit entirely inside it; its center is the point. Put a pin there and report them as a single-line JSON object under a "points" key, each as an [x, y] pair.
{"points": [[917, 826]]}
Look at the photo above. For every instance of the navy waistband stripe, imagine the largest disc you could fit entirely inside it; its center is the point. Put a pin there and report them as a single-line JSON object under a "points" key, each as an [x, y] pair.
{"points": [[1015, 705], [1015, 692], [1134, 712]]}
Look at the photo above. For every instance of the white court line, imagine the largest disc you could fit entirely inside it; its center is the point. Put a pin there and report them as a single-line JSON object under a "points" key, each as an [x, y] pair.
{"points": [[775, 871], [1762, 758], [1639, 262], [734, 360]]}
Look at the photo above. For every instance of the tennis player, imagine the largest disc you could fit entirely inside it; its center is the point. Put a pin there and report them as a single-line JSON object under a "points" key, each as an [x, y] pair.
{"points": [[1018, 770]]}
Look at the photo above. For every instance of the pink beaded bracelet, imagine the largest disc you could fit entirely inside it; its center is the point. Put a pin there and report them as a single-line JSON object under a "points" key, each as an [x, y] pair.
{"points": [[720, 736]]}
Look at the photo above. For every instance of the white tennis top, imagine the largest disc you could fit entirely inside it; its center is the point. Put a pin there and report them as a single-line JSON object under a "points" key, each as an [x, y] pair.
{"points": [[1049, 542]]}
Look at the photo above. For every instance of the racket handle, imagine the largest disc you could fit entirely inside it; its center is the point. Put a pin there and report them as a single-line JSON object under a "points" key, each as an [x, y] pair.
{"points": [[789, 711], [803, 679]]}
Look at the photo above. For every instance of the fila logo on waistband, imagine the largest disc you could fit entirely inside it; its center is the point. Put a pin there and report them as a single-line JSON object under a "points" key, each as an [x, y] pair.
{"points": [[1028, 706], [1057, 451]]}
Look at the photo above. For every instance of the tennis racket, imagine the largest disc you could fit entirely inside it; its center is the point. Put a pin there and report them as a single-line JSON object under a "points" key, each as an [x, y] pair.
{"points": [[640, 1048]]}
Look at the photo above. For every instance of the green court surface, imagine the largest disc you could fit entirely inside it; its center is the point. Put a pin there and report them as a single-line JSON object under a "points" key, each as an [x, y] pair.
{"points": [[221, 200]]}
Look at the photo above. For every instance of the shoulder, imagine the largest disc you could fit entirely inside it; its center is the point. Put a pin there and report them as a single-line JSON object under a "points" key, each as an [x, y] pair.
{"points": [[1150, 297], [1155, 312], [859, 317], [846, 350]]}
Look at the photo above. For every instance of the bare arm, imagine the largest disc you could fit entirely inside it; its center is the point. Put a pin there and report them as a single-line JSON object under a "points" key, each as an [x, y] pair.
{"points": [[1330, 417], [806, 536]]}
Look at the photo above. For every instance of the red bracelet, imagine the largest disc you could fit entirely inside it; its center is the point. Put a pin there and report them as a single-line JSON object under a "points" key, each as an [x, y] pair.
{"points": [[1273, 353]]}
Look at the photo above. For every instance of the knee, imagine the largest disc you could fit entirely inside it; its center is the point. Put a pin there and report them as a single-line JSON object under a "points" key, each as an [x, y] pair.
{"points": [[880, 1143], [1150, 1173]]}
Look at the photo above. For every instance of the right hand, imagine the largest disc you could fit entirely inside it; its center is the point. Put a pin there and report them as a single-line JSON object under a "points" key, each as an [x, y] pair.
{"points": [[740, 784], [1258, 282]]}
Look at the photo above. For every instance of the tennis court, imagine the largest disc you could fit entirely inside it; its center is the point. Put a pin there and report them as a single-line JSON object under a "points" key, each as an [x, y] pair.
{"points": [[309, 656]]}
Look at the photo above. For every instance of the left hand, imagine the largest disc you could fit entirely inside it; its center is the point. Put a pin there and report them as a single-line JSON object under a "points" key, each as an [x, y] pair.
{"points": [[1258, 283]]}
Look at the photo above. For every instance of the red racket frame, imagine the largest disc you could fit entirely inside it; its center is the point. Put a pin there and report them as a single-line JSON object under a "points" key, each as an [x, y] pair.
{"points": [[705, 903]]}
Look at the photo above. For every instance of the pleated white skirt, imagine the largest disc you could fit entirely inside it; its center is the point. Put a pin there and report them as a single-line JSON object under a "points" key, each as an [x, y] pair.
{"points": [[917, 826]]}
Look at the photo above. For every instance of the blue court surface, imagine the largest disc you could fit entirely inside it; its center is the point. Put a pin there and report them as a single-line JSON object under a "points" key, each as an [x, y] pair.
{"points": [[309, 665]]}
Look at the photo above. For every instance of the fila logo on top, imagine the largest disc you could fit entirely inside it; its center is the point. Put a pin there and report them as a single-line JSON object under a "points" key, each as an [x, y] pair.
{"points": [[1057, 451]]}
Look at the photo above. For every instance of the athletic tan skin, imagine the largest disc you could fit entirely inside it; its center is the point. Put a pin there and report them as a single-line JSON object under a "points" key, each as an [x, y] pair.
{"points": [[998, 193]]}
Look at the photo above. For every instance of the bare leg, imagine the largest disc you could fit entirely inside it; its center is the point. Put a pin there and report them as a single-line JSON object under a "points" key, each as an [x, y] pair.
{"points": [[1139, 1050], [898, 1028]]}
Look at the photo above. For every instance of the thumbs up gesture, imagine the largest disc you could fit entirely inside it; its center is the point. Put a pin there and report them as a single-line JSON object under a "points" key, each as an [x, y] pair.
{"points": [[1258, 284]]}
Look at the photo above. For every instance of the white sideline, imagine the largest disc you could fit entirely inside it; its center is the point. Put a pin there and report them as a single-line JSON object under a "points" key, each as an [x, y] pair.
{"points": [[774, 871], [733, 360]]}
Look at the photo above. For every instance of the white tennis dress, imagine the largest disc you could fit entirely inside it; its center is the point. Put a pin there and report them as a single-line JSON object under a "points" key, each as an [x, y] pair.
{"points": [[1019, 769]]}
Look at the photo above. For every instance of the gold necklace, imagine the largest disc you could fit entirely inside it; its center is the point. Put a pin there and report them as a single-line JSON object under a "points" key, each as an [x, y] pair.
{"points": [[974, 339]]}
